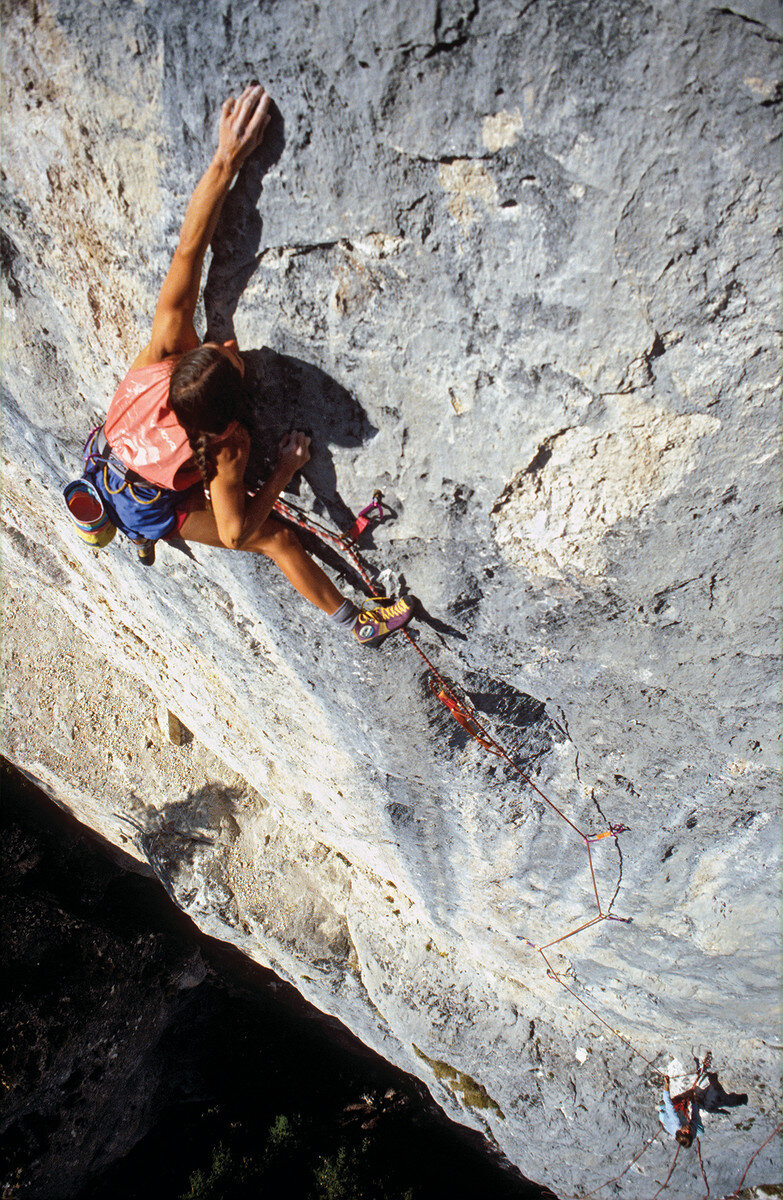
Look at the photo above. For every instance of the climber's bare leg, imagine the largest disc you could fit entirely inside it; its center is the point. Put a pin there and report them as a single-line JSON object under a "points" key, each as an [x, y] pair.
{"points": [[278, 542]]}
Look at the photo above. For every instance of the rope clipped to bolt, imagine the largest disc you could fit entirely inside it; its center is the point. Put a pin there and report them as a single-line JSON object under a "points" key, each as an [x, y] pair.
{"points": [[466, 717]]}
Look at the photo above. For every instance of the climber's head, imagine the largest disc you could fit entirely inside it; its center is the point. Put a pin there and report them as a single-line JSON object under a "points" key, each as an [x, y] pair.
{"points": [[205, 388], [684, 1136]]}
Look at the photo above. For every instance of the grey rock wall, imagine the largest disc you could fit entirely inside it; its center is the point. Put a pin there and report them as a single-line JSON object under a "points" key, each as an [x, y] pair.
{"points": [[518, 266]]}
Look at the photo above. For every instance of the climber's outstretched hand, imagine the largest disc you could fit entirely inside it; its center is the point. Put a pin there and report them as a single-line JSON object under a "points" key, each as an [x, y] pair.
{"points": [[293, 452], [242, 125]]}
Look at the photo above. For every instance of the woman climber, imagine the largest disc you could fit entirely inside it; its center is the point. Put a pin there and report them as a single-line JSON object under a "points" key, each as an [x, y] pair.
{"points": [[679, 1115], [172, 454]]}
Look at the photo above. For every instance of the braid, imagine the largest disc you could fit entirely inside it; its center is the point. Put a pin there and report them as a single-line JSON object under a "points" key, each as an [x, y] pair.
{"points": [[205, 395], [205, 459]]}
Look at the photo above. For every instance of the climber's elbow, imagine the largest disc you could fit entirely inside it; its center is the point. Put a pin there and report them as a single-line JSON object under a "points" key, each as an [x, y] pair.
{"points": [[231, 534]]}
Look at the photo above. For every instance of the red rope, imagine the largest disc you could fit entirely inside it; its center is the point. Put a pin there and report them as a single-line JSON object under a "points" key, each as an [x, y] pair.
{"points": [[601, 1186], [466, 716], [554, 975], [701, 1168], [295, 515], [671, 1172], [777, 1129], [649, 1142], [464, 713]]}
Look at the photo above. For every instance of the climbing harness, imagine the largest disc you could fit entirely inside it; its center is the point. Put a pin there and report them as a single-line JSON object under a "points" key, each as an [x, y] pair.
{"points": [[110, 496], [101, 456], [460, 708]]}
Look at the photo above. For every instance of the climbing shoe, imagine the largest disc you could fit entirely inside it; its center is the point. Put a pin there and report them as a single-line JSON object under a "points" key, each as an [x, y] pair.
{"points": [[374, 624], [145, 548]]}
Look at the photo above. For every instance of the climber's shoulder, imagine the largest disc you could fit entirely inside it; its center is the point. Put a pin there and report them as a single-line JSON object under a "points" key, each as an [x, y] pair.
{"points": [[168, 338]]}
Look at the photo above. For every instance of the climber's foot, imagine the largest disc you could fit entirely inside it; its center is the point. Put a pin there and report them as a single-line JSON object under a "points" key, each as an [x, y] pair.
{"points": [[374, 624], [145, 549]]}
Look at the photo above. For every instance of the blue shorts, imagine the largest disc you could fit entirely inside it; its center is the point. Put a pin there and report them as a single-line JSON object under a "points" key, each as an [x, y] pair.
{"points": [[140, 510]]}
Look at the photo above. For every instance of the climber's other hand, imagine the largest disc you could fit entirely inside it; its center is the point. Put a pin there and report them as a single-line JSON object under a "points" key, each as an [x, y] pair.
{"points": [[293, 452]]}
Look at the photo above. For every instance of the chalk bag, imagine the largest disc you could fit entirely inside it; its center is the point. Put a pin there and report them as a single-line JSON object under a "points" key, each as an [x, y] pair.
{"points": [[87, 511]]}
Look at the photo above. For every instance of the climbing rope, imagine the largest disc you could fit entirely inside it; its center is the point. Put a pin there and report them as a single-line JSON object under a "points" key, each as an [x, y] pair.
{"points": [[701, 1168], [702, 1069], [671, 1172], [465, 715], [753, 1158], [625, 1170], [463, 712], [732, 1196]]}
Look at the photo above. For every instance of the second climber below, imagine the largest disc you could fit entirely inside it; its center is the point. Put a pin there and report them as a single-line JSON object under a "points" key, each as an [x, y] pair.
{"points": [[174, 451]]}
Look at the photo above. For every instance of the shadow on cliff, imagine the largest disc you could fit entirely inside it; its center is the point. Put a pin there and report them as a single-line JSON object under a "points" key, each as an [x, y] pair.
{"points": [[238, 234], [519, 720], [282, 392]]}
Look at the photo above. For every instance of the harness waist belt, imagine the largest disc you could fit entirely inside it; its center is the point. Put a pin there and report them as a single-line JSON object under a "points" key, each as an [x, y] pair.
{"points": [[117, 465]]}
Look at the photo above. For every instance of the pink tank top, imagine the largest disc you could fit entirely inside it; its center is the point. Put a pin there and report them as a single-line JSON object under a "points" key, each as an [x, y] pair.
{"points": [[145, 434]]}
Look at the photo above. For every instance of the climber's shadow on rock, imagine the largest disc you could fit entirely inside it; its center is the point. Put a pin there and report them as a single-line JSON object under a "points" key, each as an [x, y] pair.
{"points": [[522, 721], [237, 237], [282, 392]]}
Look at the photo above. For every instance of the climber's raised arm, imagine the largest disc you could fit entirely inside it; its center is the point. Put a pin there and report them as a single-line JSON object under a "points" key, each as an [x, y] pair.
{"points": [[242, 125]]}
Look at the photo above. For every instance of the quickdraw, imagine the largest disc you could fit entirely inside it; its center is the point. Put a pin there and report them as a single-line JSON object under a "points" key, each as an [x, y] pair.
{"points": [[465, 716], [612, 831], [373, 512], [462, 713]]}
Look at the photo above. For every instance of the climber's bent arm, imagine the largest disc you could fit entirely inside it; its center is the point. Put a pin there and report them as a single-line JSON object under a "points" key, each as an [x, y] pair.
{"points": [[242, 125], [238, 520]]}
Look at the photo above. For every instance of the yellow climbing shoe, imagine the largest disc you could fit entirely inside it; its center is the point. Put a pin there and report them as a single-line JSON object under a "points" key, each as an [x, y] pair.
{"points": [[374, 624]]}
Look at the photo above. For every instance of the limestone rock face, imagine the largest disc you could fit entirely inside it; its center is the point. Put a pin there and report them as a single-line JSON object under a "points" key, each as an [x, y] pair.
{"points": [[516, 265]]}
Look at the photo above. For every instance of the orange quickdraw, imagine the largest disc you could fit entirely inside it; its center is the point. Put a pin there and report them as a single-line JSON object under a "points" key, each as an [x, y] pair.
{"points": [[461, 713], [373, 512]]}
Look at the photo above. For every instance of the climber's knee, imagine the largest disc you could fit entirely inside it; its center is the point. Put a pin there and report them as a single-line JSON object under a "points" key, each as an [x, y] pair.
{"points": [[276, 540]]}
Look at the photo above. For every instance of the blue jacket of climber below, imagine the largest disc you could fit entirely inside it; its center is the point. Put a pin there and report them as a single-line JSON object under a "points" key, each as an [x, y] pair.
{"points": [[680, 1117]]}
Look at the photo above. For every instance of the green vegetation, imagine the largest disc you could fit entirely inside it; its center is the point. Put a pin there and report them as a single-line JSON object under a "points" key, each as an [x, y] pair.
{"points": [[289, 1163]]}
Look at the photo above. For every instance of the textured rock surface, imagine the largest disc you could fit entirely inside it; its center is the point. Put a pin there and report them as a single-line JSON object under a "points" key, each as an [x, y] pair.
{"points": [[518, 266]]}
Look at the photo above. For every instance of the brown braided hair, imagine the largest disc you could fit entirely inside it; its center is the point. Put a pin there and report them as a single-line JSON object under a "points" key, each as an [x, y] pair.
{"points": [[205, 394]]}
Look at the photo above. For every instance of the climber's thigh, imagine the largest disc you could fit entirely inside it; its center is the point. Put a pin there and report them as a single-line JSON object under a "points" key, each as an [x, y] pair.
{"points": [[199, 526], [272, 538]]}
